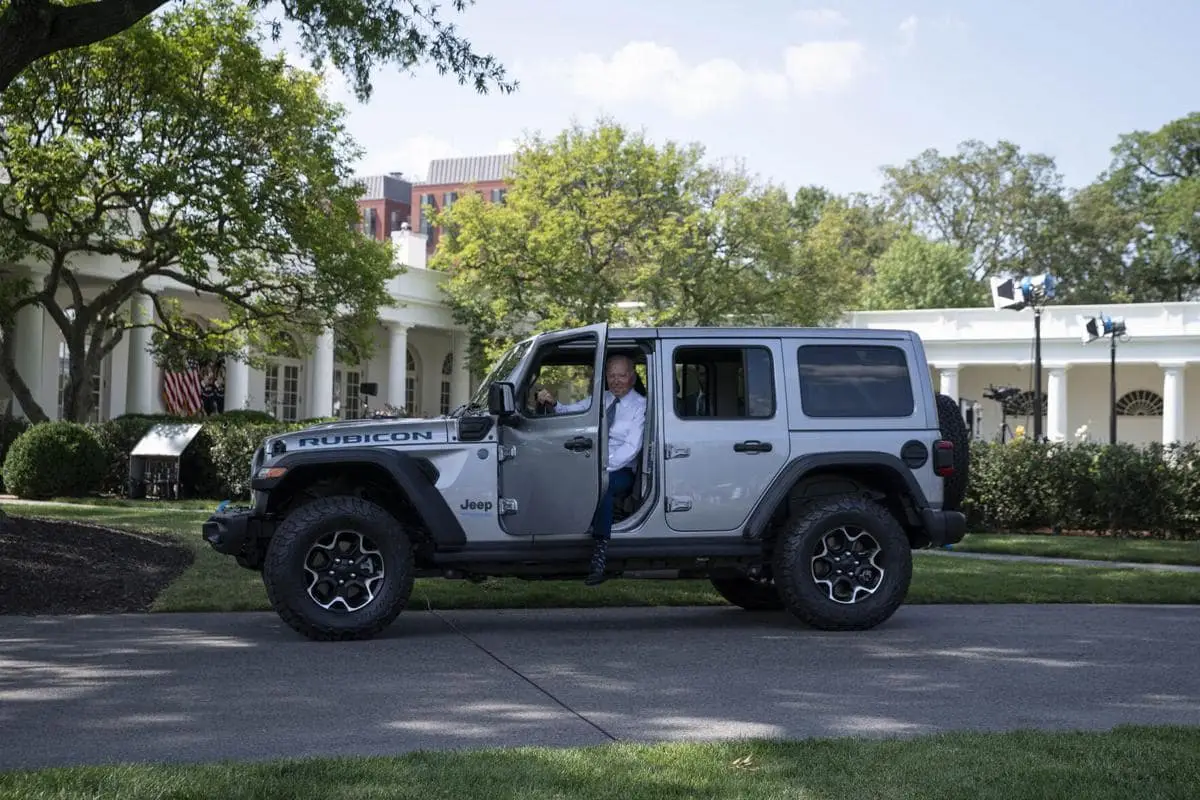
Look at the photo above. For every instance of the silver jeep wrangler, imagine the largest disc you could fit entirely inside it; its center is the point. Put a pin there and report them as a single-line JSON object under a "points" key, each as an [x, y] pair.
{"points": [[794, 468]]}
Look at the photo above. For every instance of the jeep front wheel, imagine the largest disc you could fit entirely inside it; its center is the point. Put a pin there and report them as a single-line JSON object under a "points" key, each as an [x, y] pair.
{"points": [[843, 564], [748, 593], [339, 568]]}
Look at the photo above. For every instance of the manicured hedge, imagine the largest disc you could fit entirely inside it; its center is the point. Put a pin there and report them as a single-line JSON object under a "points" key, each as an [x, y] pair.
{"points": [[215, 465], [55, 459], [1120, 489], [10, 429]]}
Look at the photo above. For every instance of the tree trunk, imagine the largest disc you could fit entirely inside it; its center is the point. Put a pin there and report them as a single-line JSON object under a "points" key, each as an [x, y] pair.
{"points": [[8, 368]]}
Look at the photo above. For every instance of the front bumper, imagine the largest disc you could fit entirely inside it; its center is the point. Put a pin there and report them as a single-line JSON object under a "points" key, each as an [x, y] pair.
{"points": [[228, 532], [944, 527]]}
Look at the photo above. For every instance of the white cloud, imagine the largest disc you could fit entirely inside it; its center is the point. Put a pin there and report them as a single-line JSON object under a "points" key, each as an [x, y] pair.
{"points": [[650, 73], [820, 18], [411, 157], [505, 146], [908, 32], [823, 67]]}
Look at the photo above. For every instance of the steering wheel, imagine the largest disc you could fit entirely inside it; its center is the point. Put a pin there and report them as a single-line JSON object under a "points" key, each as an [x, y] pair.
{"points": [[541, 409]]}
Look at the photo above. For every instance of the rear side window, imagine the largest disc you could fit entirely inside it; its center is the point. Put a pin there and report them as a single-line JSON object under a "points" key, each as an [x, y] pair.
{"points": [[847, 380]]}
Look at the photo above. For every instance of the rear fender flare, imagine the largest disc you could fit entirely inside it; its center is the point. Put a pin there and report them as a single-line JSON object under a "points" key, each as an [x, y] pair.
{"points": [[758, 522]]}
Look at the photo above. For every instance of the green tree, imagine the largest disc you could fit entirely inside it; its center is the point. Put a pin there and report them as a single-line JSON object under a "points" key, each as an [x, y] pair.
{"points": [[1004, 207], [179, 152], [1155, 180], [599, 217], [580, 227], [356, 36], [737, 257], [918, 273]]}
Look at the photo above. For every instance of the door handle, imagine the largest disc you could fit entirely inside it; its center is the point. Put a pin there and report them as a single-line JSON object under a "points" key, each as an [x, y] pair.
{"points": [[578, 443], [752, 446]]}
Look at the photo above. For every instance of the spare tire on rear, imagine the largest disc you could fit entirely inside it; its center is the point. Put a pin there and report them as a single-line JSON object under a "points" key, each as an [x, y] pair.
{"points": [[954, 429]]}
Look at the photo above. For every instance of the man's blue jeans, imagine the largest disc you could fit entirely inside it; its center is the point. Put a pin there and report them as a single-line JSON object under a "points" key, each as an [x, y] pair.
{"points": [[618, 482]]}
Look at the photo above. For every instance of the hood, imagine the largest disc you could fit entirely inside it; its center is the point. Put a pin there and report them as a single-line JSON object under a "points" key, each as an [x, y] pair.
{"points": [[362, 433]]}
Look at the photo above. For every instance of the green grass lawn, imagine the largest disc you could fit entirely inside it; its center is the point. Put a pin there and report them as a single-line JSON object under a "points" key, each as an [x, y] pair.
{"points": [[216, 583], [1157, 762], [1100, 548]]}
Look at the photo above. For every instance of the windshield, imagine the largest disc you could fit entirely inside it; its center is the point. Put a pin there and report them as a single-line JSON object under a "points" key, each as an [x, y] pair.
{"points": [[502, 369]]}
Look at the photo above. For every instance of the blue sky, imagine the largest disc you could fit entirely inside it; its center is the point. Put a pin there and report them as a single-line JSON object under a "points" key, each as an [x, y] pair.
{"points": [[822, 92]]}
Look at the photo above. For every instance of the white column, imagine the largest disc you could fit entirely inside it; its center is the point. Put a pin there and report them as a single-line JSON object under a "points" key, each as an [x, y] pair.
{"points": [[948, 380], [29, 354], [237, 383], [1056, 401], [1173, 403], [321, 404], [460, 377], [139, 369], [397, 363]]}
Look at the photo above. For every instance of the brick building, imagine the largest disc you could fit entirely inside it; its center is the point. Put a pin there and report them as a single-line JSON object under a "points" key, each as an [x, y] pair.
{"points": [[449, 178], [386, 203]]}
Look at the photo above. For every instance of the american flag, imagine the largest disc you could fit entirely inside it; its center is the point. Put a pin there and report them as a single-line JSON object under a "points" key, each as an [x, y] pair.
{"points": [[181, 390]]}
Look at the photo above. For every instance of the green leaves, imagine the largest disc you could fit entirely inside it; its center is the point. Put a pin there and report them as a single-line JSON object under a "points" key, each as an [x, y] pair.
{"points": [[918, 273], [997, 203], [357, 36], [602, 225], [178, 151]]}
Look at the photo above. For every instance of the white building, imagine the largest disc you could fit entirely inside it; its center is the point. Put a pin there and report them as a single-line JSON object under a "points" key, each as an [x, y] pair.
{"points": [[417, 362], [1157, 370]]}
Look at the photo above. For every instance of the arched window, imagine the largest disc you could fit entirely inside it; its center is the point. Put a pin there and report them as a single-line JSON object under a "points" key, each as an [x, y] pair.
{"points": [[1140, 403], [447, 370]]}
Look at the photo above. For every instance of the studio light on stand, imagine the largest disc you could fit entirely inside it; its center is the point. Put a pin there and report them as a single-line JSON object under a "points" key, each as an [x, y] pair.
{"points": [[1015, 295], [1113, 327]]}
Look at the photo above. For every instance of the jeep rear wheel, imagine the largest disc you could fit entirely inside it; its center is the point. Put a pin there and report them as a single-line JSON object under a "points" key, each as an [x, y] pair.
{"points": [[954, 429], [843, 564], [750, 594], [339, 568]]}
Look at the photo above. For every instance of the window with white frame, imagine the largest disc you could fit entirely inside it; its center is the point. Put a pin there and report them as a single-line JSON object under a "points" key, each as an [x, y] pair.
{"points": [[447, 370], [410, 383], [64, 375], [281, 391]]}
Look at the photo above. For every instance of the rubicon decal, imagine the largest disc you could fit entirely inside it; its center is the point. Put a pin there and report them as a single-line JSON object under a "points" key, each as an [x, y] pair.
{"points": [[366, 438]]}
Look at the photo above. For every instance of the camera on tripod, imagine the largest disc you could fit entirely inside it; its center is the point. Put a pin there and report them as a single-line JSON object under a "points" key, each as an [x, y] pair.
{"points": [[1000, 393]]}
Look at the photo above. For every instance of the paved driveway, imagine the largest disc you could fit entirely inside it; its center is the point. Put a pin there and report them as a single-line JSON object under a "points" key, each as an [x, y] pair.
{"points": [[194, 687]]}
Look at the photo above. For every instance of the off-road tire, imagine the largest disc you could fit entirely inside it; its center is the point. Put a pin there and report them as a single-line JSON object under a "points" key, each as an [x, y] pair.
{"points": [[286, 577], [802, 540], [749, 594], [954, 429]]}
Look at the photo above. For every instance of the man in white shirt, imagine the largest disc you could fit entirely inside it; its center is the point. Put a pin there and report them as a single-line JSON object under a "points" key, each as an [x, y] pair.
{"points": [[625, 410]]}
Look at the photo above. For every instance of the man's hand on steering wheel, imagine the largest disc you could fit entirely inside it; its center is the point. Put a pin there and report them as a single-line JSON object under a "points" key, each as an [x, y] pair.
{"points": [[544, 400]]}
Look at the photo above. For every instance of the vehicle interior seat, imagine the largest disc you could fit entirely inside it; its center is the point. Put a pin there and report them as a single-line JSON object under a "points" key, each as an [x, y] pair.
{"points": [[626, 502]]}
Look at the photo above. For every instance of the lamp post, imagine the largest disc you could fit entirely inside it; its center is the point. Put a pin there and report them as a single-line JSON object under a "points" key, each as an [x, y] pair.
{"points": [[1015, 295], [1114, 328]]}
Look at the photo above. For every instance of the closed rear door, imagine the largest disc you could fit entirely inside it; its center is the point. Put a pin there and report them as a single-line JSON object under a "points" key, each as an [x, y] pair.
{"points": [[725, 429]]}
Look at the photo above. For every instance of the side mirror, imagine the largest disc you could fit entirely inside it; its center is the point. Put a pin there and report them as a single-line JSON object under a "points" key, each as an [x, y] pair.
{"points": [[502, 399], [369, 389]]}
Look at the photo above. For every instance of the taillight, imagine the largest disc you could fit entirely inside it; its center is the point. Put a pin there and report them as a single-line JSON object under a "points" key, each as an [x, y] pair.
{"points": [[943, 458]]}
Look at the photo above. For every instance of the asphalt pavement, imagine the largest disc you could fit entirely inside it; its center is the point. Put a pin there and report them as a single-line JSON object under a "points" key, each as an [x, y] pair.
{"points": [[201, 687]]}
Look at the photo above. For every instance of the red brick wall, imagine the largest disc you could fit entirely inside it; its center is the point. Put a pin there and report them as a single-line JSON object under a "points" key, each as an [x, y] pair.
{"points": [[438, 191], [390, 214]]}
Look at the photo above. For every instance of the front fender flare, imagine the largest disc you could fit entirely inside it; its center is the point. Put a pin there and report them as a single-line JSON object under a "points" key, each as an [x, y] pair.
{"points": [[405, 471]]}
